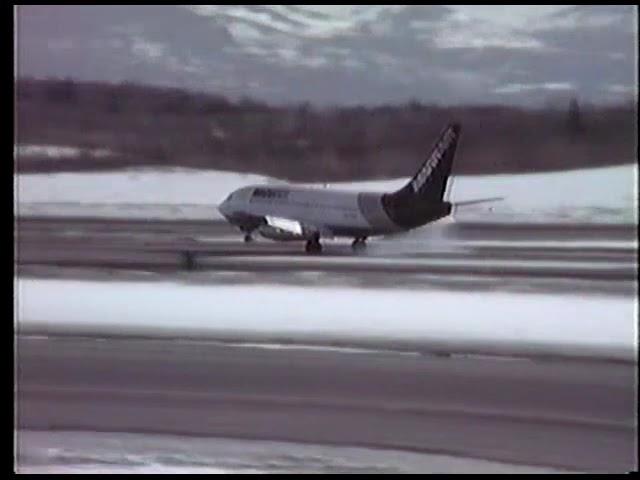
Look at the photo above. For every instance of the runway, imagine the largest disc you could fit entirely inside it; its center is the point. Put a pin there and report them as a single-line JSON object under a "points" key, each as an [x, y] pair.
{"points": [[550, 412], [585, 258], [567, 415]]}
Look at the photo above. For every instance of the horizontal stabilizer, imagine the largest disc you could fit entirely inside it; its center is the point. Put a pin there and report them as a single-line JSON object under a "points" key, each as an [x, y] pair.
{"points": [[480, 200]]}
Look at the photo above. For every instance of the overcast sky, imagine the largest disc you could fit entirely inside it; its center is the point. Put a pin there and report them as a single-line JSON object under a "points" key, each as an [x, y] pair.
{"points": [[343, 54]]}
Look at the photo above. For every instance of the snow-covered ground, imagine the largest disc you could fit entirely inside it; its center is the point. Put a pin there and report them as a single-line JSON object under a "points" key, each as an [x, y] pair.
{"points": [[492, 323], [594, 195], [135, 193], [59, 152], [113, 452]]}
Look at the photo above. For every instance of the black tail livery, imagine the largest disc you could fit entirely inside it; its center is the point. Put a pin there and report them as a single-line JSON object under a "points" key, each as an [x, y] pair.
{"points": [[421, 200]]}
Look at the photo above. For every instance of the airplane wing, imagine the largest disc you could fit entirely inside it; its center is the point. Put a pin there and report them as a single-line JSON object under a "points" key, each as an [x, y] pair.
{"points": [[480, 200]]}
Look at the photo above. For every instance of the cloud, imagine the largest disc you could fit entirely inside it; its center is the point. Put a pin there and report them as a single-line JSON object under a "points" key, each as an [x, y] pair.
{"points": [[523, 87], [590, 16], [341, 53], [147, 49]]}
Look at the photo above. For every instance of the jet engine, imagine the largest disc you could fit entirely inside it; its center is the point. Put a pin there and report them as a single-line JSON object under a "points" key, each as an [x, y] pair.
{"points": [[283, 229], [274, 233]]}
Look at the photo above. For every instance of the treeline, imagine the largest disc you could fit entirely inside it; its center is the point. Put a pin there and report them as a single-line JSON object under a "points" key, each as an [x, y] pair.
{"points": [[145, 125]]}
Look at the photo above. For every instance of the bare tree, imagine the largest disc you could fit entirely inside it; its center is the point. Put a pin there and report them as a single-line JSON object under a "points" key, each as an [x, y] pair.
{"points": [[575, 123]]}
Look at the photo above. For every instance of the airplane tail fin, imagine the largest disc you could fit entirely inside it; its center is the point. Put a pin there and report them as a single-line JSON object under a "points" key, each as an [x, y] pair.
{"points": [[430, 181], [408, 206]]}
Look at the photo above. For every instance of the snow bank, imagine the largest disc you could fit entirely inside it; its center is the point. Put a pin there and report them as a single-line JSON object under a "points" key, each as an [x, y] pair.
{"points": [[60, 152], [115, 452], [470, 322], [178, 186], [597, 195]]}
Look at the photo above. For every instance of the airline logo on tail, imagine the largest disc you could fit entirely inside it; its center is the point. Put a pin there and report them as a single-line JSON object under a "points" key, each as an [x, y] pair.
{"points": [[433, 161]]}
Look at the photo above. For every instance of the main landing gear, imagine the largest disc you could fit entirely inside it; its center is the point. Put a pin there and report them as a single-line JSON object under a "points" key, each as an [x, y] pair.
{"points": [[313, 244], [359, 244], [248, 237]]}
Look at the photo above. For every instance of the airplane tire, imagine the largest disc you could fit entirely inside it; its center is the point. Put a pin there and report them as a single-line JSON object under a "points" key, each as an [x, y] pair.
{"points": [[313, 247], [248, 238], [358, 244]]}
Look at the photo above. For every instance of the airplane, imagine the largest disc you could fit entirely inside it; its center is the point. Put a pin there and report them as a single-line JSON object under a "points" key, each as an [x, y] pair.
{"points": [[291, 213]]}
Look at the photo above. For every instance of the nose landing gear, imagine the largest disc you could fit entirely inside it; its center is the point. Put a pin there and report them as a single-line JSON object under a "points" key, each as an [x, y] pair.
{"points": [[248, 234]]}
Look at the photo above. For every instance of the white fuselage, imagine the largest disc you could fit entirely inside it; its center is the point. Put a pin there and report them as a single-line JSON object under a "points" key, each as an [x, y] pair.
{"points": [[331, 212]]}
